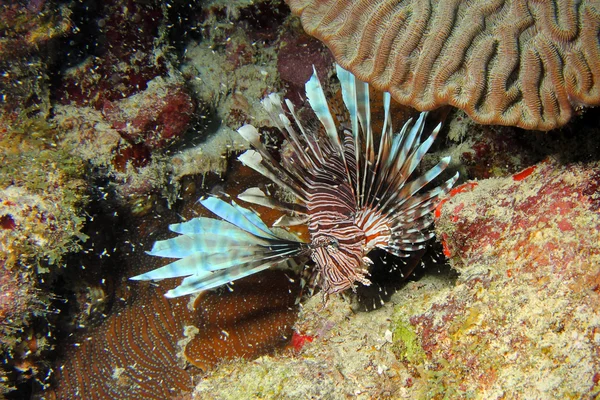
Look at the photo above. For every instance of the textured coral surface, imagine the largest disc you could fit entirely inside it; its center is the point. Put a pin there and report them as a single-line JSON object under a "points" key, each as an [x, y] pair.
{"points": [[507, 62], [523, 318], [149, 347]]}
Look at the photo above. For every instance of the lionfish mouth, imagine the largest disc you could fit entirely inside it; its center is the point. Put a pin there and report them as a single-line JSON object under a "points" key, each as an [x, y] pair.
{"points": [[354, 196]]}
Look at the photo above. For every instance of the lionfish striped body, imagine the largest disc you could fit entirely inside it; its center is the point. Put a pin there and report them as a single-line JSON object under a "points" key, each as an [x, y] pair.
{"points": [[352, 199]]}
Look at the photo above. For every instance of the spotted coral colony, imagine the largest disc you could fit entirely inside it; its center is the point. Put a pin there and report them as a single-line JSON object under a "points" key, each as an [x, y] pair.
{"points": [[352, 195]]}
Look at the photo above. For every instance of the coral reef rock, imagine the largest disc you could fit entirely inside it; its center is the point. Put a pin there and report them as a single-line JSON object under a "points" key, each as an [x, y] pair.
{"points": [[522, 321], [512, 62]]}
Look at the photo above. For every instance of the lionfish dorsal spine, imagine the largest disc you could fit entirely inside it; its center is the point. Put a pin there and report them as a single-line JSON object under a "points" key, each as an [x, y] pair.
{"points": [[318, 103], [312, 144]]}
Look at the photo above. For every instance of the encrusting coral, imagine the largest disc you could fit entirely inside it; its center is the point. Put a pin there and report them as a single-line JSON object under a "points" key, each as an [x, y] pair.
{"points": [[523, 317], [507, 62], [41, 192], [149, 348]]}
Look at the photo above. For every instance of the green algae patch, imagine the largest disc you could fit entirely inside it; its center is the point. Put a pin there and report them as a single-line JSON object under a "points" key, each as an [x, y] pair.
{"points": [[406, 343], [42, 193]]}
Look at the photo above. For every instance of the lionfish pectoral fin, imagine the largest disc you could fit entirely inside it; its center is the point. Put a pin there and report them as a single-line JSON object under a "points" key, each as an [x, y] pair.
{"points": [[291, 220], [256, 196], [238, 216], [214, 252]]}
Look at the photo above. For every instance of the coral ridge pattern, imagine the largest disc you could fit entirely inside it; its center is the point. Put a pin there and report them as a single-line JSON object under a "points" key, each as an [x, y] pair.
{"points": [[510, 62]]}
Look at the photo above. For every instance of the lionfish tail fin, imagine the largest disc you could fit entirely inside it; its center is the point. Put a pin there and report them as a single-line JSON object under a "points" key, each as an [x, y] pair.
{"points": [[214, 252]]}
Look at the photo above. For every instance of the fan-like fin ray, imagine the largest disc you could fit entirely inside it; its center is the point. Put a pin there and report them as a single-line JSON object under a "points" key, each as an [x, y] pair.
{"points": [[256, 196], [349, 96], [253, 218], [318, 102], [213, 257], [233, 215], [183, 246], [291, 220], [409, 189], [203, 225], [254, 160], [193, 283], [311, 141]]}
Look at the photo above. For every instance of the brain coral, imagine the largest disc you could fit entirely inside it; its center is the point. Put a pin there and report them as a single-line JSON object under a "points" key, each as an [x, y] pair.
{"points": [[509, 62]]}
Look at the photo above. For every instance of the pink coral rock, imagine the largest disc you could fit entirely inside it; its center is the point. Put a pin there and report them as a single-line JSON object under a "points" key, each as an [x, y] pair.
{"points": [[154, 117], [522, 321]]}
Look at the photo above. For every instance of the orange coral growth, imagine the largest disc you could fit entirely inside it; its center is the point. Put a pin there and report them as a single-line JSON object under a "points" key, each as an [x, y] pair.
{"points": [[254, 318], [142, 350], [524, 174], [521, 63]]}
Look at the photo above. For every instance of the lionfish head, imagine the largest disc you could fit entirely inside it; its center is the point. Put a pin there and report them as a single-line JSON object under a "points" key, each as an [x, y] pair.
{"points": [[336, 266]]}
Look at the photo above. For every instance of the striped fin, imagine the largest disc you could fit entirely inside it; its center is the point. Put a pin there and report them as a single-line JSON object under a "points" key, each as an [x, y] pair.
{"points": [[404, 153], [272, 104], [213, 252], [318, 102], [359, 104], [254, 160], [200, 282], [428, 199], [256, 196], [398, 198], [251, 135], [416, 157], [288, 220], [203, 225], [382, 153], [253, 218], [185, 245], [206, 261], [349, 95], [364, 117], [348, 83], [197, 283], [310, 140], [235, 216], [263, 162], [407, 143]]}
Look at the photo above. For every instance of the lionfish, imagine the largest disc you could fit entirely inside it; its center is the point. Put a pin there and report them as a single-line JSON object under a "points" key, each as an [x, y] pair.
{"points": [[353, 197]]}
